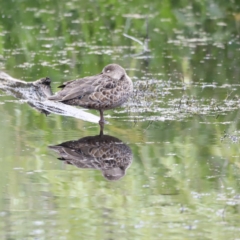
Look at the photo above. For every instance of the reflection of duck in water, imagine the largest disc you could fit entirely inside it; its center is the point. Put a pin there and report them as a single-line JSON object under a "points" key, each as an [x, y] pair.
{"points": [[102, 152], [107, 90]]}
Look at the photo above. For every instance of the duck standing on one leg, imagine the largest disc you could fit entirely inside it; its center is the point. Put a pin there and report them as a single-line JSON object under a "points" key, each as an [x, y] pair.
{"points": [[107, 90]]}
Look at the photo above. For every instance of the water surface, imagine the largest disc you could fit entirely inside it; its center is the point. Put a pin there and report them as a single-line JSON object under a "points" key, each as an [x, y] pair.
{"points": [[182, 123]]}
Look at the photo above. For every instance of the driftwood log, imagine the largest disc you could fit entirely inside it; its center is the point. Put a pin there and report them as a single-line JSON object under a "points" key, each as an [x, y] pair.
{"points": [[36, 94]]}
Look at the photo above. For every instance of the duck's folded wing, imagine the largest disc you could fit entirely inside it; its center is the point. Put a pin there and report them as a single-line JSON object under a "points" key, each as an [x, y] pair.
{"points": [[79, 81], [83, 87]]}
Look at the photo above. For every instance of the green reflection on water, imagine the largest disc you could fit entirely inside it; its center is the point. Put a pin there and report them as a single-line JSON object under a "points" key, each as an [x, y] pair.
{"points": [[184, 180]]}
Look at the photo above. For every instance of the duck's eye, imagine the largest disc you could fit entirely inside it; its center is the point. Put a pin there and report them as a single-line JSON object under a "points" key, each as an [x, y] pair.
{"points": [[108, 71]]}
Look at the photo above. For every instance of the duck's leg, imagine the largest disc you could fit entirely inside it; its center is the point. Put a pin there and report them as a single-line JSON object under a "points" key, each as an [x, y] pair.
{"points": [[101, 121], [101, 130]]}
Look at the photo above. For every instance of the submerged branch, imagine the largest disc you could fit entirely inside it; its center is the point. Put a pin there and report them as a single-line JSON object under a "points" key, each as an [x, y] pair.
{"points": [[145, 49]]}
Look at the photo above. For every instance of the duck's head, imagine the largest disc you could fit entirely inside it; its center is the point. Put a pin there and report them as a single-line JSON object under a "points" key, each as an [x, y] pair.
{"points": [[113, 174], [114, 71]]}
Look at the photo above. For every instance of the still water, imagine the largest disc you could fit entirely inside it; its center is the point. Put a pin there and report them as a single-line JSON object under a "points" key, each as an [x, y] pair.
{"points": [[177, 174]]}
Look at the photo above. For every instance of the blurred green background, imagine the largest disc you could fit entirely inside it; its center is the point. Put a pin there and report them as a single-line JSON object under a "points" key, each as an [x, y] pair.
{"points": [[184, 179]]}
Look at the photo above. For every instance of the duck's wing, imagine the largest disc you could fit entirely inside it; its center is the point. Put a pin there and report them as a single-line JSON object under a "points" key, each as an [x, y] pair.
{"points": [[83, 87], [79, 81]]}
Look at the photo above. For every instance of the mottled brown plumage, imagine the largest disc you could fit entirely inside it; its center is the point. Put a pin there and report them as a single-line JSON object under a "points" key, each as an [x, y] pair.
{"points": [[107, 90], [102, 152]]}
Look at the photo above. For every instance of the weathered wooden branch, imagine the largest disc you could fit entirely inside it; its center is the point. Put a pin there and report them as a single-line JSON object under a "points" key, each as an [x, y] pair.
{"points": [[36, 94]]}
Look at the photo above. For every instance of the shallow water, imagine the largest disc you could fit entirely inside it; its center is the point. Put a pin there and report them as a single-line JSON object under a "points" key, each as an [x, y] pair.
{"points": [[182, 123]]}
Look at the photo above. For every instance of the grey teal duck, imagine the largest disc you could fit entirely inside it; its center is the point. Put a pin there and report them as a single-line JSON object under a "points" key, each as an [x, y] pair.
{"points": [[107, 90], [101, 152]]}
